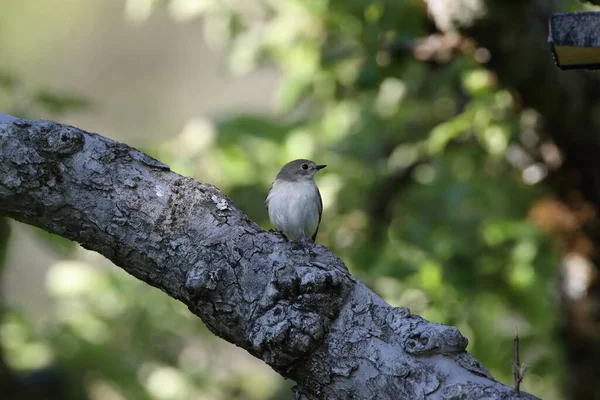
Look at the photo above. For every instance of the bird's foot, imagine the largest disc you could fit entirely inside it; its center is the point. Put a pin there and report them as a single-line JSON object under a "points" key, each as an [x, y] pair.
{"points": [[275, 231], [304, 243]]}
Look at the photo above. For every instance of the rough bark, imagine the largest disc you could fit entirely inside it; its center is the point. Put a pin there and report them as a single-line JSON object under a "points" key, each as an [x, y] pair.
{"points": [[516, 34], [293, 305]]}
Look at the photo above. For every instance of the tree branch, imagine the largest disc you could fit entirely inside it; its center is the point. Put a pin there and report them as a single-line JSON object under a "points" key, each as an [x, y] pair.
{"points": [[296, 308]]}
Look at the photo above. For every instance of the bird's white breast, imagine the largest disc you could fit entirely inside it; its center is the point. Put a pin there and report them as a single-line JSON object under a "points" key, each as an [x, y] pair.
{"points": [[294, 208]]}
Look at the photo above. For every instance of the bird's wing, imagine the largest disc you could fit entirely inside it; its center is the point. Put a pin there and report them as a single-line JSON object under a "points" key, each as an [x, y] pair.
{"points": [[268, 193], [320, 214]]}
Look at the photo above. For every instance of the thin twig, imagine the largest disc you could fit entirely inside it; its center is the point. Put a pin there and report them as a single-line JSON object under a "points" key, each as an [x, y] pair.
{"points": [[517, 364], [519, 370]]}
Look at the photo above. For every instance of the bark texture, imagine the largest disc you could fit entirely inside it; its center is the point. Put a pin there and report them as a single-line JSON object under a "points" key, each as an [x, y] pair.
{"points": [[293, 305], [516, 34]]}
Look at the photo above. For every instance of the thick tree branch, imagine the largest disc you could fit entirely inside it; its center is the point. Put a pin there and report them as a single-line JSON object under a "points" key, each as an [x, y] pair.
{"points": [[296, 308]]}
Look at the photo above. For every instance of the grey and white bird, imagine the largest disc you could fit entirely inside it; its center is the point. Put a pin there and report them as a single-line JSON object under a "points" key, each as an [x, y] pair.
{"points": [[294, 202]]}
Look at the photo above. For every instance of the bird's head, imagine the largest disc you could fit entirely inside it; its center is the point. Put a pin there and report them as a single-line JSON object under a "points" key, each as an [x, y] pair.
{"points": [[299, 170]]}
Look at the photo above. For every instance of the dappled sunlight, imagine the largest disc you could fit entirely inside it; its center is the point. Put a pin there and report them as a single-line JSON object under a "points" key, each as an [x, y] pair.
{"points": [[21, 348], [164, 383], [73, 278]]}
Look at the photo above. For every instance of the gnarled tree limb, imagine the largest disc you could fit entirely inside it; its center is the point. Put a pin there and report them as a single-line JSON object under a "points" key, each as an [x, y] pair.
{"points": [[297, 308]]}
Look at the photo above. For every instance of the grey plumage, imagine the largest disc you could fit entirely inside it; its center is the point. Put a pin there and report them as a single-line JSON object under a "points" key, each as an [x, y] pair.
{"points": [[294, 202]]}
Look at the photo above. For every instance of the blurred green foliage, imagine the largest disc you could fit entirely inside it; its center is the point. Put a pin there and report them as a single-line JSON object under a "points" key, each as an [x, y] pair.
{"points": [[19, 100], [421, 200]]}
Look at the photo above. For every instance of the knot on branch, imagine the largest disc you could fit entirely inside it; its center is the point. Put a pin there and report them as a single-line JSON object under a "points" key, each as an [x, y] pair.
{"points": [[469, 363], [396, 317], [423, 338], [200, 278], [284, 334], [299, 306], [32, 162], [49, 137]]}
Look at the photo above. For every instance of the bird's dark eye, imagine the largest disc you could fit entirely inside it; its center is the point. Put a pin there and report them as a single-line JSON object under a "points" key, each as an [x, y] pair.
{"points": [[304, 166]]}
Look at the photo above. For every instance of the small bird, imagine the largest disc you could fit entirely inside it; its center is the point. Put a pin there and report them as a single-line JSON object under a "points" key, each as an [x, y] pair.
{"points": [[294, 202]]}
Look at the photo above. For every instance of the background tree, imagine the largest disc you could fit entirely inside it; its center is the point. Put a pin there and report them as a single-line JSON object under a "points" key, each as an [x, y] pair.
{"points": [[449, 165]]}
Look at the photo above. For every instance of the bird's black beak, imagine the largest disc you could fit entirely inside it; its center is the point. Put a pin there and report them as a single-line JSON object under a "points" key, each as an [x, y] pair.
{"points": [[320, 166]]}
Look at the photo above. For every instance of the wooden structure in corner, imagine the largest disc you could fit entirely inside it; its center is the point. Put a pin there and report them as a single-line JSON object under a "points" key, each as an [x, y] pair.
{"points": [[575, 40]]}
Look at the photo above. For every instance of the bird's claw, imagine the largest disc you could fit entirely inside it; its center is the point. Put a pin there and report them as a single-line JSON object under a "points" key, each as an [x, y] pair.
{"points": [[305, 241], [275, 231]]}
